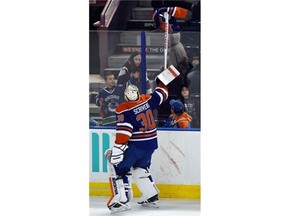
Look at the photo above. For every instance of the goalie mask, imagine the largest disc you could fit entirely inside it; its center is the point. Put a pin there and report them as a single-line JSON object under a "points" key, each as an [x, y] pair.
{"points": [[131, 93]]}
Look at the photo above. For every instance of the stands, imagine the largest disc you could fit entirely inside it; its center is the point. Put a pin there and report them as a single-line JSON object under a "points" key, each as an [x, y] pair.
{"points": [[119, 35]]}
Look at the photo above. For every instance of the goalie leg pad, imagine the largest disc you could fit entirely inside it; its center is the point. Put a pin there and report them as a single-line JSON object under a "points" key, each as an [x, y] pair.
{"points": [[146, 186], [128, 187], [118, 200], [118, 190]]}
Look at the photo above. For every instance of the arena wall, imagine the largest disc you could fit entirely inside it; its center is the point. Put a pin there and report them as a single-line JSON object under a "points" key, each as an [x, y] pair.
{"points": [[175, 164]]}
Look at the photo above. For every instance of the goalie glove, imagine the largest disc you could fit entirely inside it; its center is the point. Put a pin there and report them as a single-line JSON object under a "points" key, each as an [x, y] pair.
{"points": [[117, 153]]}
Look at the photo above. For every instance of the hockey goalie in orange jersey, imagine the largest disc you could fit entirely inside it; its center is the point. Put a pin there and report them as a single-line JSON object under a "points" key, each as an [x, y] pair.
{"points": [[136, 140]]}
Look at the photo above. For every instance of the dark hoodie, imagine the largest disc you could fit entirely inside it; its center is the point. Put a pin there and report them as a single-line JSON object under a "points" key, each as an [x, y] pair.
{"points": [[126, 70]]}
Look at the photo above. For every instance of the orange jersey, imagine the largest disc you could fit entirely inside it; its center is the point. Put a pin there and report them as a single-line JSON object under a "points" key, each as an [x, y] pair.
{"points": [[177, 12], [173, 12], [135, 120], [182, 121]]}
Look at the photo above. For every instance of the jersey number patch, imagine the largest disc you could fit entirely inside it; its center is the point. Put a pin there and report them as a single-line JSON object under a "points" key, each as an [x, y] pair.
{"points": [[147, 120]]}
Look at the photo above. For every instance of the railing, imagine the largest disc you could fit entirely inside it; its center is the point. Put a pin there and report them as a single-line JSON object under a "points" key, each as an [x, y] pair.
{"points": [[98, 2], [108, 13], [158, 128]]}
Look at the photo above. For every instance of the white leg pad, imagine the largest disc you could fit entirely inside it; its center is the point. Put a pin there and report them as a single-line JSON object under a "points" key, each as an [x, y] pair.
{"points": [[118, 191], [146, 187], [128, 191]]}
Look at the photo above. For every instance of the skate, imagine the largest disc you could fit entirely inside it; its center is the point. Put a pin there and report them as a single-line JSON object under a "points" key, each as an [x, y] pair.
{"points": [[151, 202], [119, 207]]}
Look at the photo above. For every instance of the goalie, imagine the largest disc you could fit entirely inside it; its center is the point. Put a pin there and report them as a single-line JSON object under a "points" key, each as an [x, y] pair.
{"points": [[136, 140]]}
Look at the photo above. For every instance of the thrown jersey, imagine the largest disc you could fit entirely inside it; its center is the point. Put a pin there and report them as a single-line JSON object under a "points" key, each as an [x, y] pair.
{"points": [[176, 12], [173, 12], [135, 121], [108, 100]]}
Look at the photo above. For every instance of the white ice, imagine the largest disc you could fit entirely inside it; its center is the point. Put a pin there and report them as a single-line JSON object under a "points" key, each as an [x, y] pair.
{"points": [[182, 207]]}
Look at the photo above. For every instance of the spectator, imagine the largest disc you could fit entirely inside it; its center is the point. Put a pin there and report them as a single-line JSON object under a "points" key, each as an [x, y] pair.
{"points": [[131, 66], [187, 99], [108, 99], [190, 104], [179, 118], [130, 73], [194, 80], [193, 77], [177, 53]]}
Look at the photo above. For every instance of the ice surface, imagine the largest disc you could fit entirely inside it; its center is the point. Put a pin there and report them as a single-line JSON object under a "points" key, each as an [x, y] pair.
{"points": [[175, 207]]}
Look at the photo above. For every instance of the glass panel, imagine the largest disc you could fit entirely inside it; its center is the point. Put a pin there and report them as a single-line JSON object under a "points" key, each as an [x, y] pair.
{"points": [[115, 62]]}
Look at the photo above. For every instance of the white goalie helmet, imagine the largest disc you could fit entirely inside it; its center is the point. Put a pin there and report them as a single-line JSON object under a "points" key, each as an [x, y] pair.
{"points": [[131, 93]]}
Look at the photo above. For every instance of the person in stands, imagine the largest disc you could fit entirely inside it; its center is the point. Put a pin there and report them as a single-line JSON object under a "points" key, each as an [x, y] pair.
{"points": [[108, 99], [179, 118], [129, 70]]}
